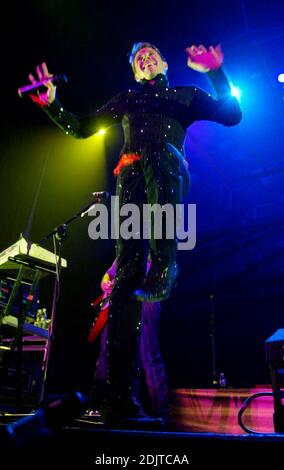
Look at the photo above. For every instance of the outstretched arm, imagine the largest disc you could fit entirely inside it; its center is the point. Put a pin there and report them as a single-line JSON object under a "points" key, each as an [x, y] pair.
{"points": [[225, 109], [78, 127]]}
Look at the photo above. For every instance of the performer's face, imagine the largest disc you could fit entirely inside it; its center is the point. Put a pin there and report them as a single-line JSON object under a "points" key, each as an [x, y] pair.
{"points": [[148, 63]]}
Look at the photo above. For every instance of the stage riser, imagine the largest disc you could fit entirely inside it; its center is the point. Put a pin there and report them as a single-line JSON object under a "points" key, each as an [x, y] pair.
{"points": [[216, 410]]}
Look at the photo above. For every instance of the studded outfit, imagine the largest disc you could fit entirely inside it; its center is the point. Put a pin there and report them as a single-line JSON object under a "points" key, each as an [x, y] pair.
{"points": [[150, 357], [155, 119]]}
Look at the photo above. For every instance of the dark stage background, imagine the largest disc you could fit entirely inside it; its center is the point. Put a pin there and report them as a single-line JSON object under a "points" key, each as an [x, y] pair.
{"points": [[237, 267]]}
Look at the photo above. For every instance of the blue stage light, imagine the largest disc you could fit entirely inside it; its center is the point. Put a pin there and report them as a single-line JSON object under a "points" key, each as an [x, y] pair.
{"points": [[236, 92], [281, 77]]}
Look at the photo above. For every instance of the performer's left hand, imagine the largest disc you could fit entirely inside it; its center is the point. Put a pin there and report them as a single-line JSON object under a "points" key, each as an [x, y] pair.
{"points": [[202, 59]]}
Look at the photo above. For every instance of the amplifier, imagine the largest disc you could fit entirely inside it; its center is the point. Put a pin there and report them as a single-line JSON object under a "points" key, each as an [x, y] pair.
{"points": [[33, 353], [274, 347]]}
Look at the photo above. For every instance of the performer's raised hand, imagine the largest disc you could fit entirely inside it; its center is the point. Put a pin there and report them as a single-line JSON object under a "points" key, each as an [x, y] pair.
{"points": [[203, 60], [48, 96]]}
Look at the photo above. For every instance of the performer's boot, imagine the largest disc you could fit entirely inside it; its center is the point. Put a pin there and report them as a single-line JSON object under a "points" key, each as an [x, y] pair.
{"points": [[163, 272], [125, 411]]}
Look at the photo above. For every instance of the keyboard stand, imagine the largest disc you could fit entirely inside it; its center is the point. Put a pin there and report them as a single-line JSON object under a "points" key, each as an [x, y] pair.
{"points": [[60, 234], [17, 343]]}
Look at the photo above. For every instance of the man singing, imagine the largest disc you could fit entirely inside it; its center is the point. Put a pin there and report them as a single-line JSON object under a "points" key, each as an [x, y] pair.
{"points": [[151, 169]]}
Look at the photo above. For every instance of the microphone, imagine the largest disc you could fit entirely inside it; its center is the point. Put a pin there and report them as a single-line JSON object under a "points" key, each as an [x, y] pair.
{"points": [[44, 423], [100, 195], [57, 80]]}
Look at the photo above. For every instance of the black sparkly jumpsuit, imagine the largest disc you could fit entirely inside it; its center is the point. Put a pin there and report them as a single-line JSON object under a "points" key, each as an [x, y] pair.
{"points": [[155, 119]]}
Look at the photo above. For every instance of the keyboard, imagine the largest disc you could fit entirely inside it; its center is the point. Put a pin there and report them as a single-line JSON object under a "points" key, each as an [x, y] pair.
{"points": [[30, 254]]}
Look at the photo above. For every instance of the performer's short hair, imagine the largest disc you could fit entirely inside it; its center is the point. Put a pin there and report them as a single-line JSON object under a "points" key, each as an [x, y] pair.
{"points": [[140, 45]]}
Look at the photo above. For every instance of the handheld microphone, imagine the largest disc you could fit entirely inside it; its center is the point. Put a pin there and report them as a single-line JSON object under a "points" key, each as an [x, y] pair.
{"points": [[57, 80]]}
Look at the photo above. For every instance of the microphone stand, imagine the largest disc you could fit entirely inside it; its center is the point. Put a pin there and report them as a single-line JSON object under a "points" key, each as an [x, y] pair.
{"points": [[60, 233]]}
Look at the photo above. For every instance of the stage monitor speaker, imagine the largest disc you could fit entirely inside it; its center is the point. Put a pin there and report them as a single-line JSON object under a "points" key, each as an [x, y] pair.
{"points": [[274, 348]]}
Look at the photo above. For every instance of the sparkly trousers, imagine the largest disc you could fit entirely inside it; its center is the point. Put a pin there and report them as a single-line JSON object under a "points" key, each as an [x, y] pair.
{"points": [[151, 361], [161, 177]]}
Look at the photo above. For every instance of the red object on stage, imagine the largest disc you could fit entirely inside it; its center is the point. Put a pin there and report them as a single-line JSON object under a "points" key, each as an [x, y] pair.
{"points": [[98, 326], [97, 301], [125, 159]]}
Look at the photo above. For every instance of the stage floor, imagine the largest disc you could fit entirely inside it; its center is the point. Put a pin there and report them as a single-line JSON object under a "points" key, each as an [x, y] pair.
{"points": [[204, 427]]}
